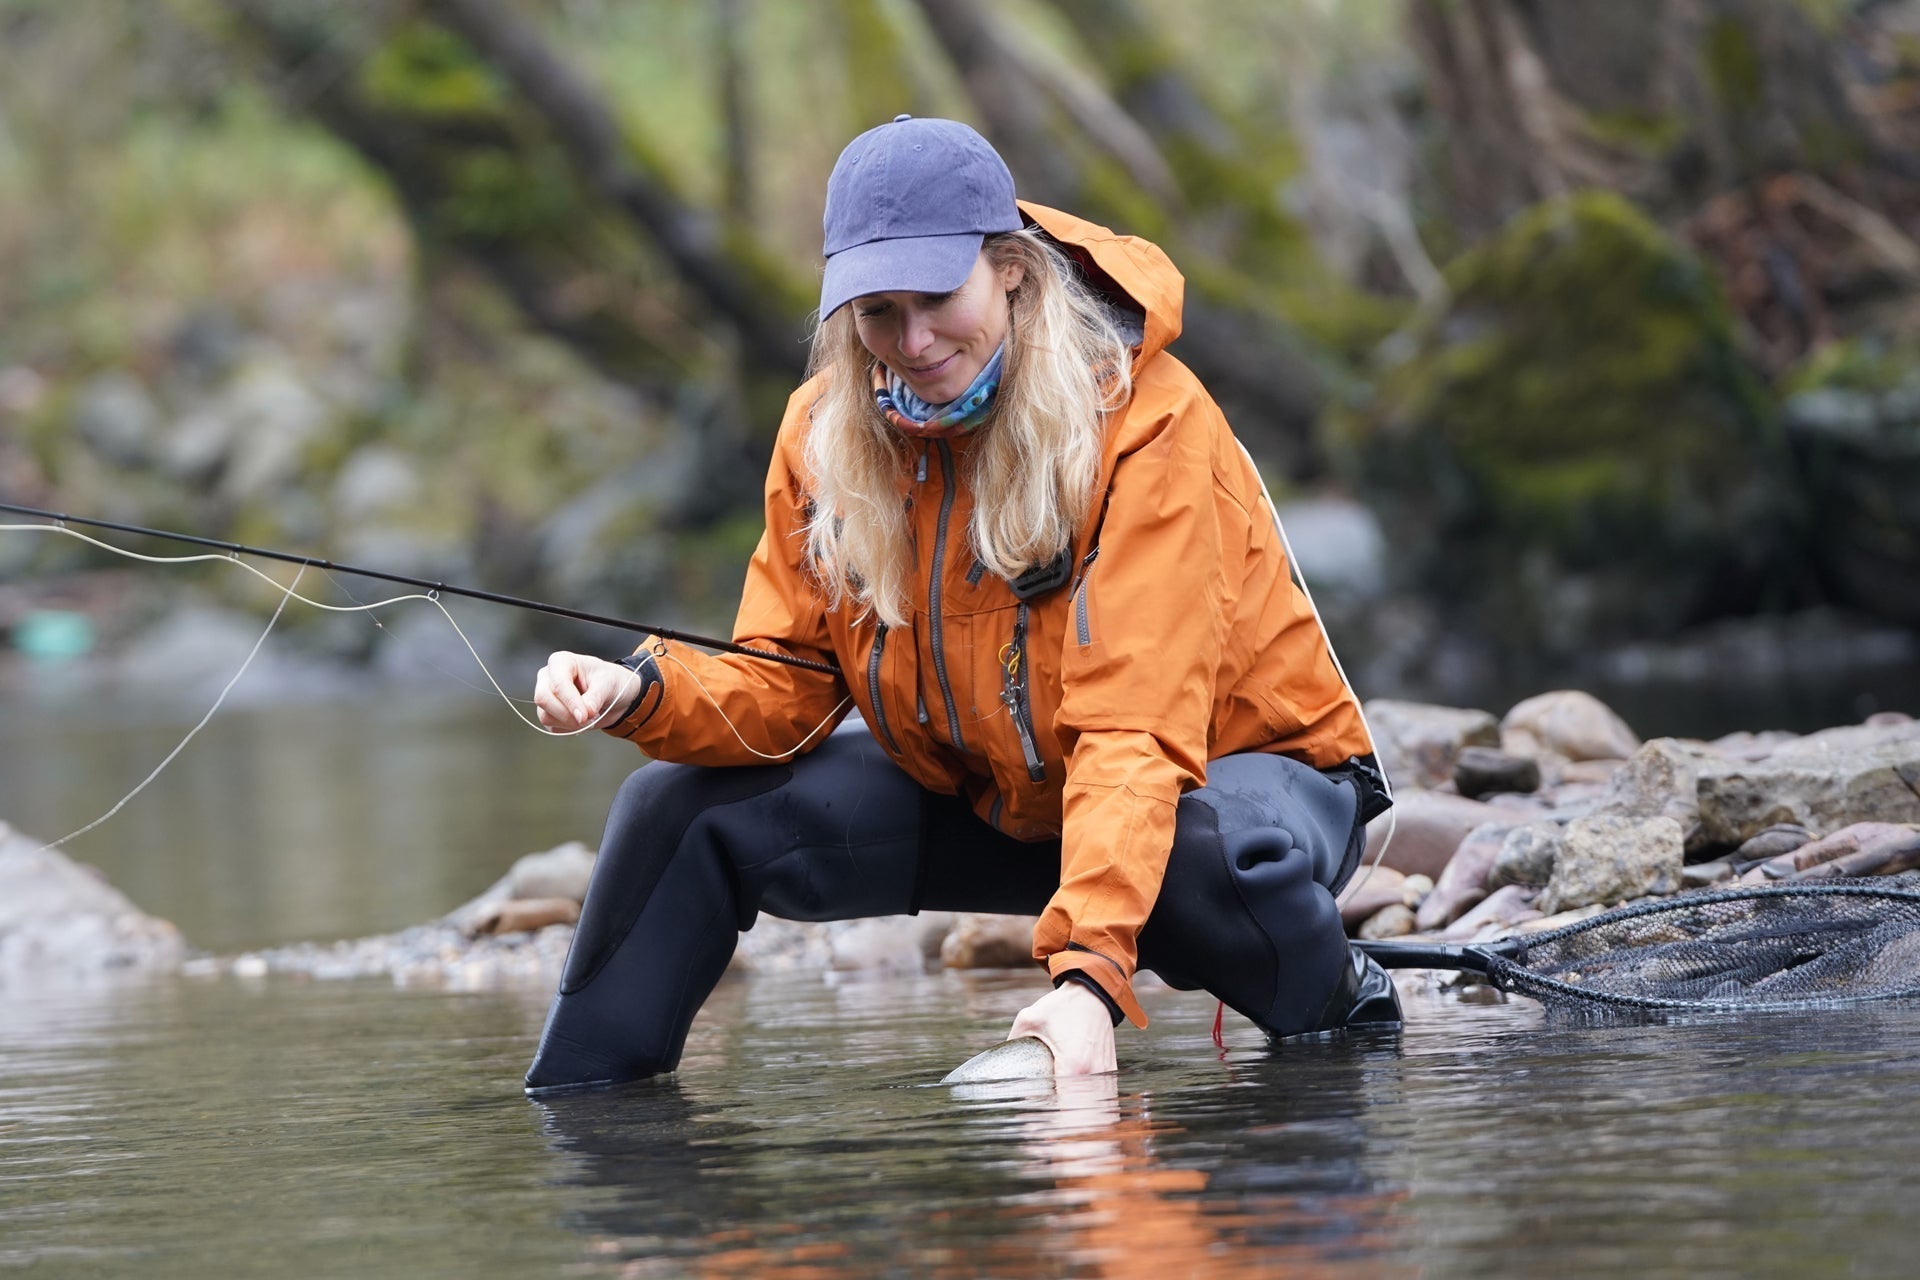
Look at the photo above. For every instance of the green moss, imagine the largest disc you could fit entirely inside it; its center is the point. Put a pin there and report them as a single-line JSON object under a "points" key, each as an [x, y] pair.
{"points": [[422, 69], [1733, 65], [1648, 132], [1858, 364], [1582, 384], [501, 194]]}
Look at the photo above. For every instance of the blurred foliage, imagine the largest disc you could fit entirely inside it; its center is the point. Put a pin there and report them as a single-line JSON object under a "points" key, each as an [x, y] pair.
{"points": [[356, 207]]}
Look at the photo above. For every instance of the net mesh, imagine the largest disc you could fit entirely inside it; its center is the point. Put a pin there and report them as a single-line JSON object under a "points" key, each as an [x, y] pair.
{"points": [[1753, 948]]}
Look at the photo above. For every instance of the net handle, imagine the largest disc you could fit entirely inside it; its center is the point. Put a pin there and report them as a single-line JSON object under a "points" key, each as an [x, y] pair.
{"points": [[1414, 955]]}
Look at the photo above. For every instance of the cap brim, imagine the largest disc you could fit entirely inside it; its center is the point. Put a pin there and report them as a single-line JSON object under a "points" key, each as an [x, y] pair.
{"points": [[916, 264]]}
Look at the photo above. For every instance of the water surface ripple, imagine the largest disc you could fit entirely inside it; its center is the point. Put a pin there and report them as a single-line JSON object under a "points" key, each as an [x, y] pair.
{"points": [[221, 1127]]}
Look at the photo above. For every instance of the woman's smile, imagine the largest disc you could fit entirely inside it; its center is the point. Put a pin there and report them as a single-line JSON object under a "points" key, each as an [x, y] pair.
{"points": [[904, 330]]}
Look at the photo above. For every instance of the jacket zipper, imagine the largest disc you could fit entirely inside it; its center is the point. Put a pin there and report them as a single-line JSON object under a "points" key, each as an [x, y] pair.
{"points": [[933, 602], [1082, 625], [1014, 694], [873, 689]]}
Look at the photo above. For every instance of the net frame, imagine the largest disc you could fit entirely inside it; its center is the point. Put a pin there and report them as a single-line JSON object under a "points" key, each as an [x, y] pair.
{"points": [[1509, 963]]}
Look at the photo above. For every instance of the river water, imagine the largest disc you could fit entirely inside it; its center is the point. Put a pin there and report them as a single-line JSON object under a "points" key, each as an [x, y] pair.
{"points": [[219, 1126]]}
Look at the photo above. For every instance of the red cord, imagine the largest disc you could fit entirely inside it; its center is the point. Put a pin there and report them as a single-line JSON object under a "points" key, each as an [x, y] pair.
{"points": [[1219, 1016]]}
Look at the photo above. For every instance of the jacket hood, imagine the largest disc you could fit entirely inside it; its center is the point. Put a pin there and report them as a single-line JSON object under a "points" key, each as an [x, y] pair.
{"points": [[1132, 272]]}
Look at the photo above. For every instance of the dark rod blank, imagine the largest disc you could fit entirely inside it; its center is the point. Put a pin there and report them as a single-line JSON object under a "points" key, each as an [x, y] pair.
{"points": [[492, 597]]}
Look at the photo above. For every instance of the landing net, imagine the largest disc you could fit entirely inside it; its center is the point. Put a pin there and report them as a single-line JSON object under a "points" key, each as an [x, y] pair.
{"points": [[1765, 947]]}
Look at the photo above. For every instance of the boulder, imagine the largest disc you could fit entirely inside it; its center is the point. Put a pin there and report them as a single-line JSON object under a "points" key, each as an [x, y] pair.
{"points": [[1568, 724], [1370, 890], [1418, 743], [117, 417], [560, 872], [1865, 848], [1463, 882], [1395, 921], [1609, 859], [60, 919], [1825, 781], [1526, 855], [982, 941], [1571, 449], [881, 944], [1480, 771], [1661, 780], [1337, 545], [1504, 909], [1774, 841], [1427, 827], [525, 915]]}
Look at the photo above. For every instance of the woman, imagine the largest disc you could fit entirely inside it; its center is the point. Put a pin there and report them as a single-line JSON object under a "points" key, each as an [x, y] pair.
{"points": [[1052, 584]]}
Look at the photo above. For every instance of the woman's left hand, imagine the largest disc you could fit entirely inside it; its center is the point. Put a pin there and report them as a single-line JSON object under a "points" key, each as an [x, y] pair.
{"points": [[1074, 1023]]}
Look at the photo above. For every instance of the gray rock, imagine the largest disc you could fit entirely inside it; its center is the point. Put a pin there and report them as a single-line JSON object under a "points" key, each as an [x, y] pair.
{"points": [[1824, 781], [1527, 855], [1480, 771], [1463, 883], [273, 416], [1660, 780], [1338, 544], [560, 872], [881, 944], [1610, 859], [1567, 723], [1370, 890], [116, 417], [1774, 841], [1504, 908], [193, 648], [982, 941], [1418, 743], [60, 919], [1698, 875], [375, 480], [1394, 921], [1427, 827]]}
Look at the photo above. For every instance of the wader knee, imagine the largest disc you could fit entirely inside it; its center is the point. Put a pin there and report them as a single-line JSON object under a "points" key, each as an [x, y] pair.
{"points": [[659, 924], [1246, 910]]}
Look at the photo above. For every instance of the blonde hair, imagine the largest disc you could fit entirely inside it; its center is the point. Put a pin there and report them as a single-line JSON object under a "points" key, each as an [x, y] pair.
{"points": [[1031, 468]]}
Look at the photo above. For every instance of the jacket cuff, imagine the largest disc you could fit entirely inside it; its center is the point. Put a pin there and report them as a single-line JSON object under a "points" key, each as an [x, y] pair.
{"points": [[1091, 966], [651, 696]]}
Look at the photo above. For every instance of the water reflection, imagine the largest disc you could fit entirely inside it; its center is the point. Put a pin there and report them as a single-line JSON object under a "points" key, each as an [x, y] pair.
{"points": [[1177, 1167], [232, 1128]]}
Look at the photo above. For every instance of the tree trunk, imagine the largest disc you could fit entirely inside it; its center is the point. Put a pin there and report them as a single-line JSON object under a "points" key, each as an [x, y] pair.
{"points": [[1667, 101], [539, 188]]}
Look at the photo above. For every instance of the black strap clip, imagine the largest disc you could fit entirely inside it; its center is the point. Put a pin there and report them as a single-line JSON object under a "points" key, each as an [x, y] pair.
{"points": [[1042, 578]]}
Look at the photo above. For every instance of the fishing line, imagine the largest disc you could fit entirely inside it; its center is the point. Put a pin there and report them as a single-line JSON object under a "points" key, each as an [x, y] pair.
{"points": [[431, 597], [663, 652], [287, 594], [628, 685]]}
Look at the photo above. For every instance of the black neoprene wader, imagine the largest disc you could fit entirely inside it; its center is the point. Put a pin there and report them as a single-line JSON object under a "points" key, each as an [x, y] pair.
{"points": [[691, 855]]}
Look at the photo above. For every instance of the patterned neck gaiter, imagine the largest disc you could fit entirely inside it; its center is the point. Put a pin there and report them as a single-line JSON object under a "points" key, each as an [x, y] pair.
{"points": [[923, 421]]}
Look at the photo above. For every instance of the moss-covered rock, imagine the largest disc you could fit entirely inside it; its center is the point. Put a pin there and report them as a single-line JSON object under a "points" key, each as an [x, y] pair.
{"points": [[1854, 424], [1572, 448]]}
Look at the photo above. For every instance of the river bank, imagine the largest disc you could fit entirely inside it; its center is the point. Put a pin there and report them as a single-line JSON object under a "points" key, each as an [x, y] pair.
{"points": [[1544, 815]]}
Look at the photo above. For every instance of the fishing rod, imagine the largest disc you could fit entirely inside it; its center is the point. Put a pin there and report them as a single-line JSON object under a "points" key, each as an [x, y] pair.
{"points": [[471, 593]]}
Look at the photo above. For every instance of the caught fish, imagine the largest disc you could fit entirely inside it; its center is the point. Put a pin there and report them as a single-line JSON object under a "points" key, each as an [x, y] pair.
{"points": [[1022, 1059]]}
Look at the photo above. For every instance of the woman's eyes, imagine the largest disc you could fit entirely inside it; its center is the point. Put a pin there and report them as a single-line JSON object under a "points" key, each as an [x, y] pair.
{"points": [[927, 300]]}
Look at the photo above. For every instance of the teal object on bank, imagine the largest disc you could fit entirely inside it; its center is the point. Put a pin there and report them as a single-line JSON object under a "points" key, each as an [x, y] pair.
{"points": [[54, 635]]}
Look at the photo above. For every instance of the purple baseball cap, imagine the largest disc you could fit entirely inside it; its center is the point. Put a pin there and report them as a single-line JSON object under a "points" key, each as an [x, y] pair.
{"points": [[907, 207]]}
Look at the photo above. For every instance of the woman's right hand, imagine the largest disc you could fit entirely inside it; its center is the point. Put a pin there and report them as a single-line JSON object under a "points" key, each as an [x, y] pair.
{"points": [[577, 691]]}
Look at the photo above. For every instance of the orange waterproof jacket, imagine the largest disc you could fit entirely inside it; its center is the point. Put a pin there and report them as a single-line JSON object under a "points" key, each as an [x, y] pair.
{"points": [[1083, 713]]}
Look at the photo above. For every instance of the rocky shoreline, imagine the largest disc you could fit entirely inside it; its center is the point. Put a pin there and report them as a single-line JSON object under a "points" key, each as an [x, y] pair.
{"points": [[1548, 814]]}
